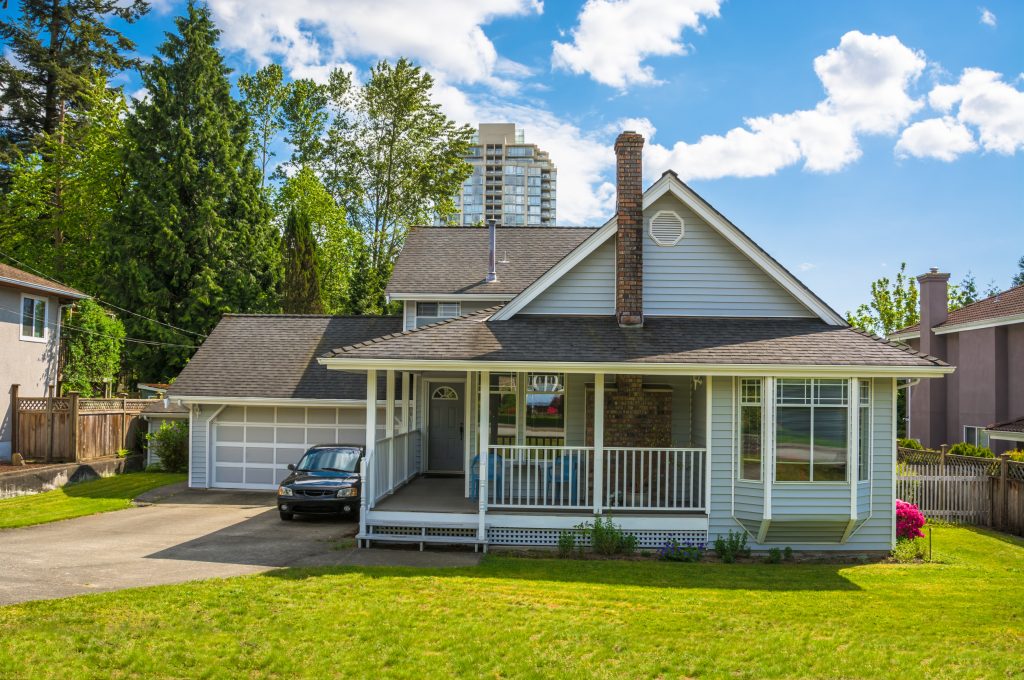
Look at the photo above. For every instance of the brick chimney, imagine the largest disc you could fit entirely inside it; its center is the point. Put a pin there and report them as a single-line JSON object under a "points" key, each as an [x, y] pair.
{"points": [[928, 412], [629, 213]]}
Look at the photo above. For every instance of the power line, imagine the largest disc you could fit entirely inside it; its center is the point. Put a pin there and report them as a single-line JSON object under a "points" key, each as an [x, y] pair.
{"points": [[138, 341], [98, 299]]}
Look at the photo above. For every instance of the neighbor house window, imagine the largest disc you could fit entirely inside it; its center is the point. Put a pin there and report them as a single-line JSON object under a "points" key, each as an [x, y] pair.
{"points": [[503, 409], [975, 434], [33, 318], [432, 312], [811, 430], [750, 429], [545, 409], [864, 433]]}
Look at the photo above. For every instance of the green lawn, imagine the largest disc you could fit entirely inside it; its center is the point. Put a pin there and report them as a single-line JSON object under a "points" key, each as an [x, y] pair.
{"points": [[512, 617], [76, 500]]}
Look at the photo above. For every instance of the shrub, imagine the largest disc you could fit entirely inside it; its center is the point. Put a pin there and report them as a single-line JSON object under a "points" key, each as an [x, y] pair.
{"points": [[170, 445], [566, 543], [674, 551], [732, 546], [774, 556], [965, 449], [910, 550], [787, 554], [154, 467], [1016, 455], [909, 521], [905, 443], [607, 538]]}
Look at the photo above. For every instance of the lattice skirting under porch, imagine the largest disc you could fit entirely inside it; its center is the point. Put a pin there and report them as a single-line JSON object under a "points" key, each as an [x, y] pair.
{"points": [[645, 539], [427, 531]]}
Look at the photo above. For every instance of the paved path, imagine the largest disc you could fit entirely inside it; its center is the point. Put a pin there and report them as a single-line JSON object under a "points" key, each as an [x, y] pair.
{"points": [[187, 536]]}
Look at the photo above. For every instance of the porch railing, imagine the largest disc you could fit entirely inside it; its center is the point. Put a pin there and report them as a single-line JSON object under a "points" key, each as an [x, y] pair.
{"points": [[393, 463], [563, 477], [654, 479]]}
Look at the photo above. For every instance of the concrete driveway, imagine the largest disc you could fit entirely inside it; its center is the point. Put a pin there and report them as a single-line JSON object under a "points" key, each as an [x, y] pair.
{"points": [[187, 536]]}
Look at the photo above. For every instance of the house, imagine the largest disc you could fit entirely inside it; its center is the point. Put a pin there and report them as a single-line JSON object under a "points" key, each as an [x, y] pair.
{"points": [[985, 341], [662, 369], [30, 325]]}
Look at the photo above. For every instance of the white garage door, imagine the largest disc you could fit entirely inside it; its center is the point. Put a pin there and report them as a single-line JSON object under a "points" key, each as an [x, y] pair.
{"points": [[253, 445]]}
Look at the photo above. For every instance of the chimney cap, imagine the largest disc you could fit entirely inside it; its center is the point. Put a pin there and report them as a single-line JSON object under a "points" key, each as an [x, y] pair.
{"points": [[933, 270]]}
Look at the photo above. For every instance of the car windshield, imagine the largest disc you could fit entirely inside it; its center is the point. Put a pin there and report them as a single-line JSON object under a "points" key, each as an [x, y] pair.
{"points": [[334, 460]]}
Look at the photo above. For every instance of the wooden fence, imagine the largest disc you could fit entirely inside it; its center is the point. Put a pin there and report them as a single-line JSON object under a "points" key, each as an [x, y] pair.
{"points": [[986, 492], [74, 429]]}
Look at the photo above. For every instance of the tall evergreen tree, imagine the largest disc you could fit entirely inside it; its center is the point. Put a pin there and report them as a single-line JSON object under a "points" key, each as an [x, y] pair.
{"points": [[197, 238], [301, 294], [56, 48]]}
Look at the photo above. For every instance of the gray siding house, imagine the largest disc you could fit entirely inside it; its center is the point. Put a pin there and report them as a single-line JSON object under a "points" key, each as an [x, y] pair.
{"points": [[29, 340], [661, 369]]}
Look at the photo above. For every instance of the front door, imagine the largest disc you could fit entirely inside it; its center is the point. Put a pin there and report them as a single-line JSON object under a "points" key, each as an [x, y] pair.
{"points": [[447, 428]]}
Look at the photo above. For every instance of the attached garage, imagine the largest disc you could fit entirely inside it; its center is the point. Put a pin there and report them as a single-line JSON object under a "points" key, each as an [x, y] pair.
{"points": [[256, 398], [252, 445]]}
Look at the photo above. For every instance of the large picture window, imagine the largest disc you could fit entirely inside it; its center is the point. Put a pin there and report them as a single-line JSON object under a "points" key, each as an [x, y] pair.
{"points": [[545, 409], [864, 433], [811, 430], [750, 429]]}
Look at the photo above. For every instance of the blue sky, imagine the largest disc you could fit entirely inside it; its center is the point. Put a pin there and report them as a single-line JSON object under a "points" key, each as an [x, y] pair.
{"points": [[844, 137]]}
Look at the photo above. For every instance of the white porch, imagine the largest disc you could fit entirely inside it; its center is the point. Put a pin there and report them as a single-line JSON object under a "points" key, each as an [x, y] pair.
{"points": [[546, 468]]}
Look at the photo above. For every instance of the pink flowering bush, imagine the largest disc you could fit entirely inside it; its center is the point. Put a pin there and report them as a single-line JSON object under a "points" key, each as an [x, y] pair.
{"points": [[909, 521]]}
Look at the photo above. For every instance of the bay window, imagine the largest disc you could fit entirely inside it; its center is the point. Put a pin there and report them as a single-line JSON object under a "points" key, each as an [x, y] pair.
{"points": [[864, 431], [750, 430], [811, 430]]}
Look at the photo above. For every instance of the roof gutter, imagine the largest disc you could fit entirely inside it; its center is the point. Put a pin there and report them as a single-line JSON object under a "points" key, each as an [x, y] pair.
{"points": [[745, 370], [267, 401], [43, 289]]}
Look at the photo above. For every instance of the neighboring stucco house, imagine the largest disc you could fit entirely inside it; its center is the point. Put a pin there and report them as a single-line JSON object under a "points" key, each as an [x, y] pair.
{"points": [[29, 340], [662, 369], [985, 341]]}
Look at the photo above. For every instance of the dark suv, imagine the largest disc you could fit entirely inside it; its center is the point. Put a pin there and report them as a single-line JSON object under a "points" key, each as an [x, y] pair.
{"points": [[326, 480]]}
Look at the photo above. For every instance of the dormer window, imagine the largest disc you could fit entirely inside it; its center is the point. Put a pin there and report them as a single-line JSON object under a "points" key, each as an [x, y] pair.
{"points": [[432, 312]]}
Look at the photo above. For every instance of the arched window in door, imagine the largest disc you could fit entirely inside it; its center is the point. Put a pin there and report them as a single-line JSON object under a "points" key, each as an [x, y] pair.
{"points": [[445, 393]]}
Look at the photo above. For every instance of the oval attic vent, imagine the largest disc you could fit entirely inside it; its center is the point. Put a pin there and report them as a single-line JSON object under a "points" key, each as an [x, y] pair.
{"points": [[666, 228]]}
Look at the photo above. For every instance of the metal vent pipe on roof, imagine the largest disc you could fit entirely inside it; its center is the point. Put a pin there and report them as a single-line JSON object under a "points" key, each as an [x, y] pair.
{"points": [[492, 272]]}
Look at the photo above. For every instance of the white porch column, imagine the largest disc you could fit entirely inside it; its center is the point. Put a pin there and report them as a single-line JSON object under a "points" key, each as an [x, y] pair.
{"points": [[483, 452], [852, 451], [371, 436], [598, 443], [389, 425]]}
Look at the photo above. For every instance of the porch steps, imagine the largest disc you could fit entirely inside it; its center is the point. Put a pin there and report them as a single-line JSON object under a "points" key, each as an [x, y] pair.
{"points": [[453, 533]]}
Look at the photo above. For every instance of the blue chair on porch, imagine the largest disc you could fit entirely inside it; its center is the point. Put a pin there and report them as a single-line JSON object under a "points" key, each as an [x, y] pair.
{"points": [[562, 472], [495, 475]]}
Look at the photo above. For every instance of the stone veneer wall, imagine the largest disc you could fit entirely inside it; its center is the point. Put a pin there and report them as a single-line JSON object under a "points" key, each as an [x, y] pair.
{"points": [[633, 416]]}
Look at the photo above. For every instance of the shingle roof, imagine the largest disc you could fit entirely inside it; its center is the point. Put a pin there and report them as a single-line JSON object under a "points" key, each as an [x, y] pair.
{"points": [[13, 276], [1007, 303], [273, 356], [453, 260], [686, 340], [1010, 426]]}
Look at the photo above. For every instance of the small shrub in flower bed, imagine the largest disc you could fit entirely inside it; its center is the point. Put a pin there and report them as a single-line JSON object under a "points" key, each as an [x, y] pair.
{"points": [[965, 449], [910, 550], [909, 521], [674, 551]]}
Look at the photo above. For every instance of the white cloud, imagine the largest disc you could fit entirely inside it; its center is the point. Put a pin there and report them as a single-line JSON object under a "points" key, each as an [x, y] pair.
{"points": [[806, 266], [985, 101], [941, 138], [308, 37], [987, 17], [865, 79], [614, 37]]}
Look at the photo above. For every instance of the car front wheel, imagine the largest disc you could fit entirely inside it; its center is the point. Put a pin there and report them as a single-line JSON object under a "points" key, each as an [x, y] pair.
{"points": [[287, 516]]}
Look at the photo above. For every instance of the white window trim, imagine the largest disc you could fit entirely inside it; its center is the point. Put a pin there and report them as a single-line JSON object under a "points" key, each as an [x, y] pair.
{"points": [[851, 475], [21, 319], [434, 319], [871, 431], [978, 434], [739, 431]]}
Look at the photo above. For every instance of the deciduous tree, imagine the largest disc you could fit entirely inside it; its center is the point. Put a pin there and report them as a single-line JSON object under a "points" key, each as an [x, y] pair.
{"points": [[93, 342]]}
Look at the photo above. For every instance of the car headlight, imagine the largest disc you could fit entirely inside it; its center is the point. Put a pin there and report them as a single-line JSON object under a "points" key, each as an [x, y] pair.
{"points": [[285, 491], [347, 492]]}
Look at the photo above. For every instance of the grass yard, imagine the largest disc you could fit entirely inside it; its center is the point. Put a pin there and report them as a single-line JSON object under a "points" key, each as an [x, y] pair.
{"points": [[962, 617], [77, 500]]}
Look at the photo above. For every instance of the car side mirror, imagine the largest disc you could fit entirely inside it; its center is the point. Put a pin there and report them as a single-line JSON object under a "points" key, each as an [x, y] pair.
{"points": [[291, 466]]}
